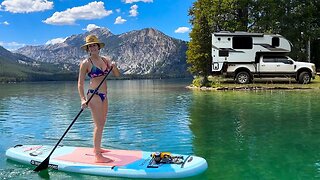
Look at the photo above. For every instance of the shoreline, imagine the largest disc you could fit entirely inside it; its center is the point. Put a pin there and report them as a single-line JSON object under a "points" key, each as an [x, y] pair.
{"points": [[225, 84], [253, 88]]}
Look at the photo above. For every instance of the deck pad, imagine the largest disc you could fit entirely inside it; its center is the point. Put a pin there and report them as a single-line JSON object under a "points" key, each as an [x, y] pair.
{"points": [[86, 156]]}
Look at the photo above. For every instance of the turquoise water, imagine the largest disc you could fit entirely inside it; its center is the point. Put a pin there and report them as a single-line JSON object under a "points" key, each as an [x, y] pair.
{"points": [[242, 134]]}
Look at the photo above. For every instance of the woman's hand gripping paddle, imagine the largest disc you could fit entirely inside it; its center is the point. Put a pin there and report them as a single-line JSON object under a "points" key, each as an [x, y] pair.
{"points": [[45, 163]]}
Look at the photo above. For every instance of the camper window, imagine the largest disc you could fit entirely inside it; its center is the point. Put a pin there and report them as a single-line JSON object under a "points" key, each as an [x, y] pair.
{"points": [[223, 53], [275, 42], [242, 42]]}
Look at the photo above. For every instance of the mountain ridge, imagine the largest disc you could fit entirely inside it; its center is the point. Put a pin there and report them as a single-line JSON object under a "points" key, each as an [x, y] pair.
{"points": [[16, 67], [146, 52]]}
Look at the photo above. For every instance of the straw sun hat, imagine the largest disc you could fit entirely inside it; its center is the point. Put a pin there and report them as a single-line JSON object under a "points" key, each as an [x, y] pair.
{"points": [[92, 39]]}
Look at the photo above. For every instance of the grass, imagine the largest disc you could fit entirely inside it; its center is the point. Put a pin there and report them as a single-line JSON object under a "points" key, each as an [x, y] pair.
{"points": [[220, 83]]}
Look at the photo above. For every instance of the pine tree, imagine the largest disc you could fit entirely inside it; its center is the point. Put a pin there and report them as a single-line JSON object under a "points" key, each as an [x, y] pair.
{"points": [[199, 47]]}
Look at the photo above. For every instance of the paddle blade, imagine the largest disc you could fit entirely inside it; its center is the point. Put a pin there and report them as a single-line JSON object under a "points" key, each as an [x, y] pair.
{"points": [[44, 165]]}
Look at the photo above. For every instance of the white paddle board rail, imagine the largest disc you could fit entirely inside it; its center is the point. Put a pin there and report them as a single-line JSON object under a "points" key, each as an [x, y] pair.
{"points": [[126, 163]]}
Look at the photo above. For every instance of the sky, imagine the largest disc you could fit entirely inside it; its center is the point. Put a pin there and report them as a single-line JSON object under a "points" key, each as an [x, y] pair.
{"points": [[39, 22]]}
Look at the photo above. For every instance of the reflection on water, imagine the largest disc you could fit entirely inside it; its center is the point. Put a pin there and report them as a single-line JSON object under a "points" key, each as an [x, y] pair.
{"points": [[257, 135], [243, 135]]}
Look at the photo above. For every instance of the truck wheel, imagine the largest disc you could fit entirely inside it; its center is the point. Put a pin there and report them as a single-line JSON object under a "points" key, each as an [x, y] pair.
{"points": [[243, 77], [304, 78]]}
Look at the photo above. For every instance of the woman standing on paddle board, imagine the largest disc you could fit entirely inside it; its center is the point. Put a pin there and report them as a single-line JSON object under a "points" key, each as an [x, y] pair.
{"points": [[96, 67]]}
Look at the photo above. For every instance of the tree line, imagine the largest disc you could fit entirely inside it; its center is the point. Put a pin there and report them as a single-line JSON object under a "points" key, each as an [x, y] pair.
{"points": [[296, 20]]}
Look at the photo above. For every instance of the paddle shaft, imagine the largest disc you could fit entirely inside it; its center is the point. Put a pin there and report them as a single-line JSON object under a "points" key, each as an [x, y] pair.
{"points": [[45, 163]]}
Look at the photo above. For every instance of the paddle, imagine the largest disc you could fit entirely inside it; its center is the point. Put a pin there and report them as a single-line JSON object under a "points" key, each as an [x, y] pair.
{"points": [[45, 163]]}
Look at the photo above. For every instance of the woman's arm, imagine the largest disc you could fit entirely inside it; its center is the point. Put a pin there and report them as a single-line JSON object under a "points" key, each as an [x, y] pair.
{"points": [[81, 78]]}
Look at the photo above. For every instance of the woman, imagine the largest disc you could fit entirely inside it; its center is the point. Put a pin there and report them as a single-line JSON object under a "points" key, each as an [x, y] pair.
{"points": [[96, 67]]}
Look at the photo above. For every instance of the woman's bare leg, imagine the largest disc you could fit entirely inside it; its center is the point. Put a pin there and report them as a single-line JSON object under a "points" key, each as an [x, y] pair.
{"points": [[99, 111]]}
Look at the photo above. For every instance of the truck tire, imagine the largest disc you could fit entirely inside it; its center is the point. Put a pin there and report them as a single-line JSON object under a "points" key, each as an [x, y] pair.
{"points": [[304, 77], [242, 77]]}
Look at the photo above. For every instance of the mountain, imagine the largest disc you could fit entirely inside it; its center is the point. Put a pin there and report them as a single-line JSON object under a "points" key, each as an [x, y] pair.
{"points": [[146, 52], [9, 56], [17, 67]]}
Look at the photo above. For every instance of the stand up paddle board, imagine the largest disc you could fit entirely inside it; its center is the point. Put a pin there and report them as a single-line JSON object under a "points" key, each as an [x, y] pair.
{"points": [[126, 163]]}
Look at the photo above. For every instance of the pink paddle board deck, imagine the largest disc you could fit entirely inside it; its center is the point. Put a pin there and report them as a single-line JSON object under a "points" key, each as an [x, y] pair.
{"points": [[126, 163], [86, 156]]}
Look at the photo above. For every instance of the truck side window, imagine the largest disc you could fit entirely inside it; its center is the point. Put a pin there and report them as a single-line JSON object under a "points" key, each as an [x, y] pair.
{"points": [[242, 42], [270, 59], [284, 60]]}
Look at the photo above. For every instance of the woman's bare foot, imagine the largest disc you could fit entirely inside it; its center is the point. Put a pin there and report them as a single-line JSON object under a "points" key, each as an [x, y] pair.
{"points": [[99, 158]]}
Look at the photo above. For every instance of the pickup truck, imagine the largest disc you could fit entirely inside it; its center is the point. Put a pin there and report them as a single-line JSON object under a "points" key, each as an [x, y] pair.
{"points": [[270, 66]]}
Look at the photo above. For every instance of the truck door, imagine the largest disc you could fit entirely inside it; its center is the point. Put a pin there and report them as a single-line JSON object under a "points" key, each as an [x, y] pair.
{"points": [[268, 65], [284, 65]]}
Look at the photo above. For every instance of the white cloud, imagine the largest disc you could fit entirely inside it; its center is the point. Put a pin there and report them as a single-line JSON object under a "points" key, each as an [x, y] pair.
{"points": [[119, 20], [26, 6], [11, 46], [55, 41], [5, 23], [182, 30], [134, 1], [91, 27], [134, 10], [118, 10], [93, 10]]}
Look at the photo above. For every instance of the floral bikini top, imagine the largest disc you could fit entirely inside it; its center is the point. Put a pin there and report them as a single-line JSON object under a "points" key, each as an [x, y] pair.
{"points": [[97, 72]]}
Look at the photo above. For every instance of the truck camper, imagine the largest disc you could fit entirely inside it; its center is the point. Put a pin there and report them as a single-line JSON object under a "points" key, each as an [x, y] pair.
{"points": [[245, 56]]}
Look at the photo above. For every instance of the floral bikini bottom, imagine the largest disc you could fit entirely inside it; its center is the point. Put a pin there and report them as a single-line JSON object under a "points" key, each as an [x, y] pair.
{"points": [[101, 95]]}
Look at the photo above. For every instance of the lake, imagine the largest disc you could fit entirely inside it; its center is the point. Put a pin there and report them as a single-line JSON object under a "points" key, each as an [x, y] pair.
{"points": [[242, 134]]}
